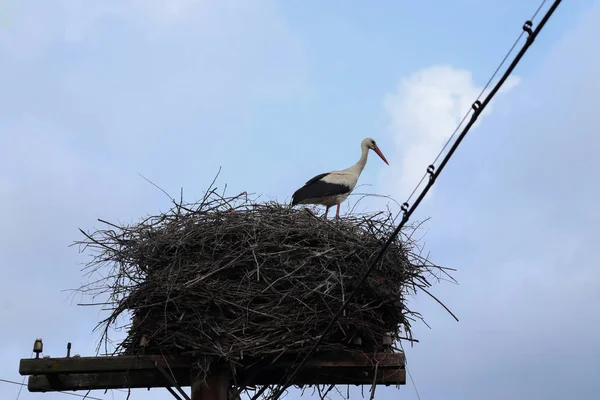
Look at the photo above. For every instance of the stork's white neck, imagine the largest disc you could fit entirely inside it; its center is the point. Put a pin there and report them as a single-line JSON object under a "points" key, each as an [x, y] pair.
{"points": [[362, 161]]}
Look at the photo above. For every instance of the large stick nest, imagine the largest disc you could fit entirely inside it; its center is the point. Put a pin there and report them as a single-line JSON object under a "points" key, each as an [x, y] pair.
{"points": [[228, 277]]}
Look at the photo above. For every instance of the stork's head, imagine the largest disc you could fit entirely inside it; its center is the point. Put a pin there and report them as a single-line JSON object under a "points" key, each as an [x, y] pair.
{"points": [[370, 144]]}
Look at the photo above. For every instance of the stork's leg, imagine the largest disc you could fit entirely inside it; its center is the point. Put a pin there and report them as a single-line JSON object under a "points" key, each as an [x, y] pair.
{"points": [[326, 211], [337, 213]]}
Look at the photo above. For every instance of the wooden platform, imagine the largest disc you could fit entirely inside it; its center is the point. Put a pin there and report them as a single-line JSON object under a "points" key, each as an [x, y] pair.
{"points": [[122, 372]]}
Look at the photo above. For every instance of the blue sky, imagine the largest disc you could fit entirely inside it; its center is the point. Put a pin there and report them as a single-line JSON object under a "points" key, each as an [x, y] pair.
{"points": [[275, 92]]}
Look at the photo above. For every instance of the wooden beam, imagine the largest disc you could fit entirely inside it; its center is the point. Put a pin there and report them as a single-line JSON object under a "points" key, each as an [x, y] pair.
{"points": [[82, 373], [144, 379], [32, 366]]}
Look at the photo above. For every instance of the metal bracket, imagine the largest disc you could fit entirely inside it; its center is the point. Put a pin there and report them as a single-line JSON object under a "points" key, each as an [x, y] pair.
{"points": [[430, 171], [527, 27]]}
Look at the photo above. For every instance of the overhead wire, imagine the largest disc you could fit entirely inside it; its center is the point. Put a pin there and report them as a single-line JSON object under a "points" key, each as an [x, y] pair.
{"points": [[67, 393], [508, 53], [464, 118], [23, 383], [410, 376], [434, 172]]}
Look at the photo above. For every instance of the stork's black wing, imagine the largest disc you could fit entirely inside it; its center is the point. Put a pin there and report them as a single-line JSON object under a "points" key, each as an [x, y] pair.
{"points": [[316, 178], [316, 188]]}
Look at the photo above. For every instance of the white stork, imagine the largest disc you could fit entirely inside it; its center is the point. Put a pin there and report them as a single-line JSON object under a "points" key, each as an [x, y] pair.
{"points": [[332, 188]]}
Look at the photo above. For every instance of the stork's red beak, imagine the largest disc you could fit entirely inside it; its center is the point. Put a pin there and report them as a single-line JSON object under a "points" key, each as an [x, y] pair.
{"points": [[380, 154]]}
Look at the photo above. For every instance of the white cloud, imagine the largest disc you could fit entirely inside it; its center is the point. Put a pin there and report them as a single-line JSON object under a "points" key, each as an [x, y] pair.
{"points": [[423, 112]]}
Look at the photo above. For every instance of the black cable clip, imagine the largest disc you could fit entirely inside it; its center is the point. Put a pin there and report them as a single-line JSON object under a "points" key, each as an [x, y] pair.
{"points": [[527, 27], [430, 171], [404, 207], [476, 109]]}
